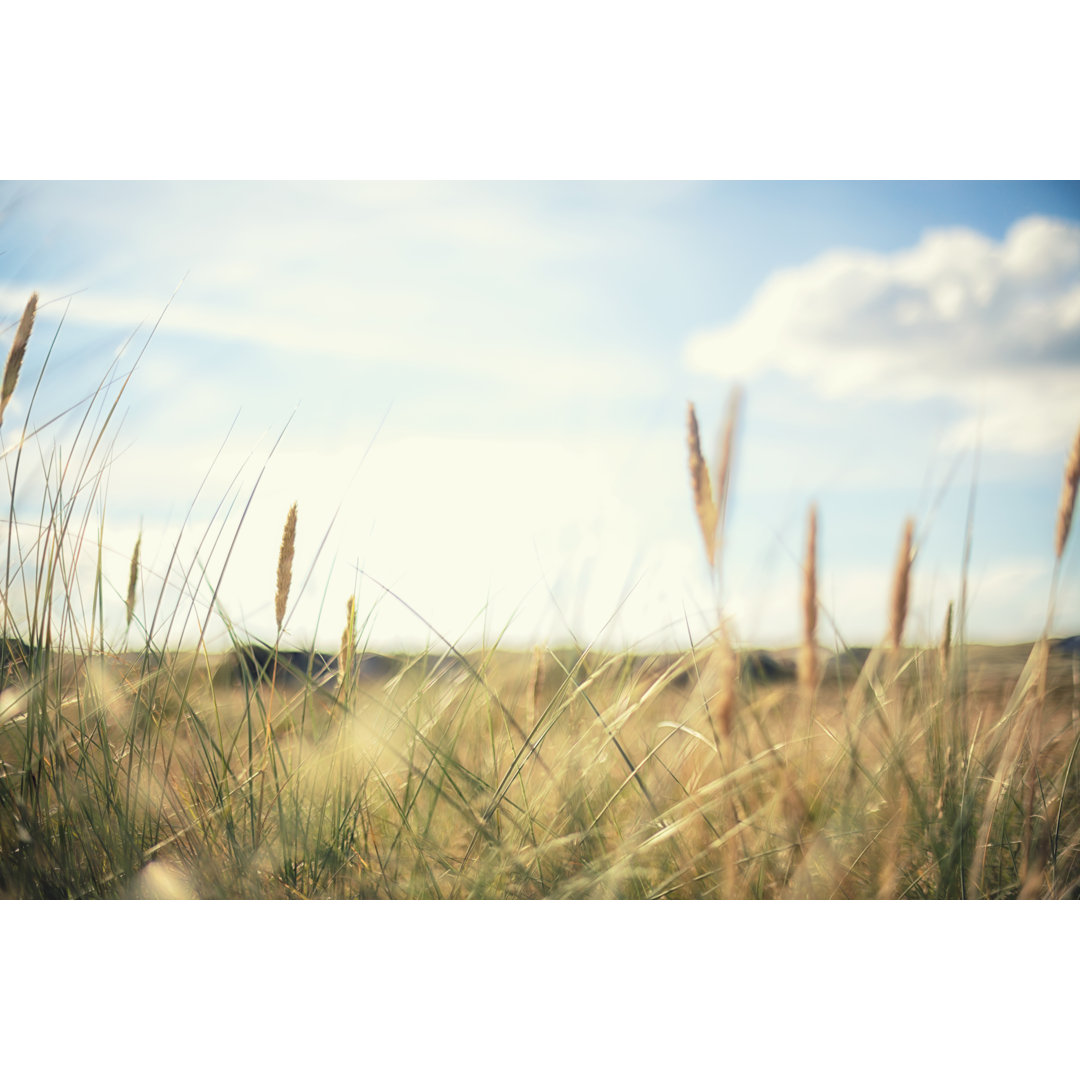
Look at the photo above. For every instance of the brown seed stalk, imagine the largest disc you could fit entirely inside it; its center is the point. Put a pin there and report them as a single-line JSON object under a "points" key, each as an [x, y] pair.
{"points": [[1068, 497], [946, 639], [348, 643], [284, 566], [901, 583], [18, 351], [133, 578], [704, 506], [807, 665]]}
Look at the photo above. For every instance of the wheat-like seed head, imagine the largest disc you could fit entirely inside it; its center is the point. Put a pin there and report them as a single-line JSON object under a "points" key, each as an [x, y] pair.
{"points": [[1068, 497], [946, 639], [284, 566], [348, 642], [133, 577], [15, 356], [808, 673], [702, 488], [901, 584]]}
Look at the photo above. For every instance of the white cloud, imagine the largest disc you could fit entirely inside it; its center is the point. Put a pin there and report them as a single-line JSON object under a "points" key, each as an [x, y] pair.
{"points": [[995, 327], [427, 312]]}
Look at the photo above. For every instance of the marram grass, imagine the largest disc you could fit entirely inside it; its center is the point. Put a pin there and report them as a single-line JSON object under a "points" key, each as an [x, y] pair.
{"points": [[1068, 497], [284, 567], [15, 355], [948, 771]]}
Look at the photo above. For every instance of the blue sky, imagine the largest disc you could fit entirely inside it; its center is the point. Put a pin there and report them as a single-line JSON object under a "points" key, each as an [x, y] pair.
{"points": [[483, 389]]}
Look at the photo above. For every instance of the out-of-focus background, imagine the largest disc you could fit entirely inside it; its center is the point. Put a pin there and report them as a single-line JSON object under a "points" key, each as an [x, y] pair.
{"points": [[481, 392]]}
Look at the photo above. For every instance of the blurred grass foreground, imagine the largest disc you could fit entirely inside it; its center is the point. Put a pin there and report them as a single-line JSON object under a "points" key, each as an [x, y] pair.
{"points": [[143, 770]]}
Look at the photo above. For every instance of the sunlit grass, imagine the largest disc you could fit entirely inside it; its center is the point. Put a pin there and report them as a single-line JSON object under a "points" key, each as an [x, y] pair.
{"points": [[145, 769]]}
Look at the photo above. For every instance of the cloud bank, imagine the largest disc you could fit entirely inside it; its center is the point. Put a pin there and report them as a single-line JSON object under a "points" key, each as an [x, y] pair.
{"points": [[994, 327]]}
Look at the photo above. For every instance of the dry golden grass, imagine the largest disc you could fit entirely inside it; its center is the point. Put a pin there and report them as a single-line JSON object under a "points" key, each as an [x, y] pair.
{"points": [[416, 789], [284, 566], [133, 580], [347, 655], [1068, 497], [898, 607], [688, 775], [946, 639], [15, 356], [701, 487], [710, 499]]}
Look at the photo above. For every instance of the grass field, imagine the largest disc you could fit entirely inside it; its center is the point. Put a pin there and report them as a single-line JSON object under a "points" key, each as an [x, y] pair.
{"points": [[946, 771], [554, 775]]}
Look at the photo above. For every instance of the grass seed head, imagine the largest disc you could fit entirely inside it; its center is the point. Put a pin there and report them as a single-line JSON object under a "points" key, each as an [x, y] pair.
{"points": [[1068, 497], [724, 457], [901, 585], [946, 639], [284, 566], [15, 356], [133, 579], [704, 506], [710, 500], [348, 642]]}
